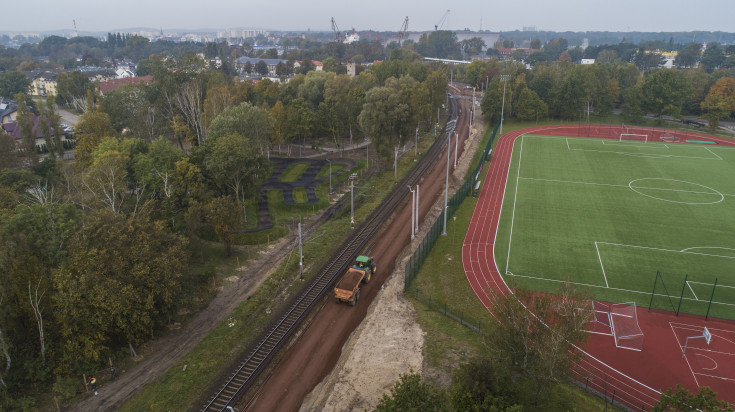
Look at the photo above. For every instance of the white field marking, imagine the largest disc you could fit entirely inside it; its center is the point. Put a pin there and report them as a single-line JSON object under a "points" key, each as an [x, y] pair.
{"points": [[681, 348], [707, 247], [666, 145], [567, 139], [633, 144], [610, 288], [515, 197], [710, 284], [627, 186], [714, 376], [690, 288], [666, 250], [710, 359], [711, 192], [601, 265], [707, 149], [651, 155]]}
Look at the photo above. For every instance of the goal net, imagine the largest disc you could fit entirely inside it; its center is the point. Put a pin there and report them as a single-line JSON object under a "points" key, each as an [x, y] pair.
{"points": [[624, 326], [634, 137]]}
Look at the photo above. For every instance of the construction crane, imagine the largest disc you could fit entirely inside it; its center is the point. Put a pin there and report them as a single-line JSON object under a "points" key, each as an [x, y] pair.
{"points": [[401, 35], [337, 34], [76, 33], [443, 20]]}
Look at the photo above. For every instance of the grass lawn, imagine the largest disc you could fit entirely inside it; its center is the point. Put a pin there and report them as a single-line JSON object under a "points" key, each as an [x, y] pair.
{"points": [[608, 215], [293, 172]]}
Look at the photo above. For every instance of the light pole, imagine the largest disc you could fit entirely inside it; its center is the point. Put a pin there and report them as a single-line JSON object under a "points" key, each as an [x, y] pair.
{"points": [[446, 186], [417, 208], [504, 78], [413, 212], [395, 164], [456, 148]]}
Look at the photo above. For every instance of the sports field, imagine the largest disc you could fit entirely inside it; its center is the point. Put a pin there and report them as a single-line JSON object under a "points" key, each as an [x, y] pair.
{"points": [[608, 215]]}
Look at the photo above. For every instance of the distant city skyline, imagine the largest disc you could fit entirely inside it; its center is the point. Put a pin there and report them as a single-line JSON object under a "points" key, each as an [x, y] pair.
{"points": [[380, 15]]}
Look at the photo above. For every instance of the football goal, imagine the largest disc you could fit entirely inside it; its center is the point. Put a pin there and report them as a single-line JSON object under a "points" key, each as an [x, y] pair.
{"points": [[634, 137], [624, 326]]}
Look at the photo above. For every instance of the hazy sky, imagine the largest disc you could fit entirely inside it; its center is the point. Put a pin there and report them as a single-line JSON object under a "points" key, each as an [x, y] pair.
{"points": [[559, 15]]}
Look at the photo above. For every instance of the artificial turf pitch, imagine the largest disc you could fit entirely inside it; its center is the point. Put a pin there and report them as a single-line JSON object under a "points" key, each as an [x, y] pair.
{"points": [[608, 215]]}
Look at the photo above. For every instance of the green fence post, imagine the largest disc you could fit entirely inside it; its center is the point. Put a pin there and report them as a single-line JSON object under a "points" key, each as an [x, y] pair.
{"points": [[681, 298], [710, 299], [654, 291]]}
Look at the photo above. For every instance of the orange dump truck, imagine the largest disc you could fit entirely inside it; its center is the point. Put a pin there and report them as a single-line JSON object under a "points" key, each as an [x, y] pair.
{"points": [[348, 288]]}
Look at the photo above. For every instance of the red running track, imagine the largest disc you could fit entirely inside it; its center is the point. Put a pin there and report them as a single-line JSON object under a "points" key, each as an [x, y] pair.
{"points": [[631, 378]]}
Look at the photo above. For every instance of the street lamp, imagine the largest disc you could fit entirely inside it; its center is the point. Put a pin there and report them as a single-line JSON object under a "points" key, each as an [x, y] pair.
{"points": [[504, 78]]}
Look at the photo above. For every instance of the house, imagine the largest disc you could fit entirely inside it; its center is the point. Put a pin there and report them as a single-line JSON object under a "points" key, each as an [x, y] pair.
{"points": [[8, 111], [41, 129], [110, 85], [271, 63], [123, 73]]}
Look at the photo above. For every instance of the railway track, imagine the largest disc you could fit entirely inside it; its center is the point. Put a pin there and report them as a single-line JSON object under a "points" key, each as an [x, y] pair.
{"points": [[280, 331]]}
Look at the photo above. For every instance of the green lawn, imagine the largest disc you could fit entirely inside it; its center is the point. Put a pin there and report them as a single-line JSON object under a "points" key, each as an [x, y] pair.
{"points": [[608, 215]]}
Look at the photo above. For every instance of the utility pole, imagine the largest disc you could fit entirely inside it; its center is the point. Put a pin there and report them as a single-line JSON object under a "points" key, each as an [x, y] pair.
{"points": [[504, 78], [416, 148], [446, 186], [413, 212], [352, 199], [301, 255]]}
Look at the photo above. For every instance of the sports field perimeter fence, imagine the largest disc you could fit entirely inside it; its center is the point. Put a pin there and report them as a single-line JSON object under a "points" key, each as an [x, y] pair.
{"points": [[428, 242]]}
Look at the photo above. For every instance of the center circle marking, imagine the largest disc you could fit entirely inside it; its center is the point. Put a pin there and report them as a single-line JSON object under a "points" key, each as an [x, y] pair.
{"points": [[712, 191]]}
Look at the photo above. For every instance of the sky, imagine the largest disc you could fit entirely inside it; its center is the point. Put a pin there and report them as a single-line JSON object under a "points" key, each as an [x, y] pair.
{"points": [[382, 15]]}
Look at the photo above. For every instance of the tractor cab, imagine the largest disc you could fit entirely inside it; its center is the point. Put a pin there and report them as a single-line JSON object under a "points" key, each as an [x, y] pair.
{"points": [[365, 263]]}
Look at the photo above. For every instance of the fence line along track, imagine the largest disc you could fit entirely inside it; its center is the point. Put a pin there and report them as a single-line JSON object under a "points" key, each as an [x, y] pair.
{"points": [[281, 330]]}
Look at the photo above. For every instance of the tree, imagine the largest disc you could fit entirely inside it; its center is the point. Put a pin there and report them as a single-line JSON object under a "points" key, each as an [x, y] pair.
{"points": [[680, 399], [90, 130], [12, 83], [261, 68], [54, 137], [478, 385], [411, 394], [223, 213], [234, 164], [529, 106], [255, 123], [535, 44], [27, 131], [442, 44], [70, 86], [383, 117], [473, 46], [536, 335], [189, 99], [664, 92], [720, 102], [712, 57], [689, 56], [122, 281]]}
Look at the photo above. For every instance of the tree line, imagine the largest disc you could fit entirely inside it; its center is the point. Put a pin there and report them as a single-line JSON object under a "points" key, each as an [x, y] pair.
{"points": [[564, 90]]}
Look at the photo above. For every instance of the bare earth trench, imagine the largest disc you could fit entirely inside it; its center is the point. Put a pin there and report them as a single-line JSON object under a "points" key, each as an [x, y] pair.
{"points": [[389, 342]]}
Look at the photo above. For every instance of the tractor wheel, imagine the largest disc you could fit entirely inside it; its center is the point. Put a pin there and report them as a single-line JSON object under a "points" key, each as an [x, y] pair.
{"points": [[367, 277], [352, 302], [337, 300]]}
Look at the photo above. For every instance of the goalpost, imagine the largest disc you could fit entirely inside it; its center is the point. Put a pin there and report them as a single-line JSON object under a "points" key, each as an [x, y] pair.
{"points": [[634, 137], [624, 326]]}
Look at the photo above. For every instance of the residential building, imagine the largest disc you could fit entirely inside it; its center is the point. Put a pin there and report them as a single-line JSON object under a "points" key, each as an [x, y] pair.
{"points": [[114, 84]]}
